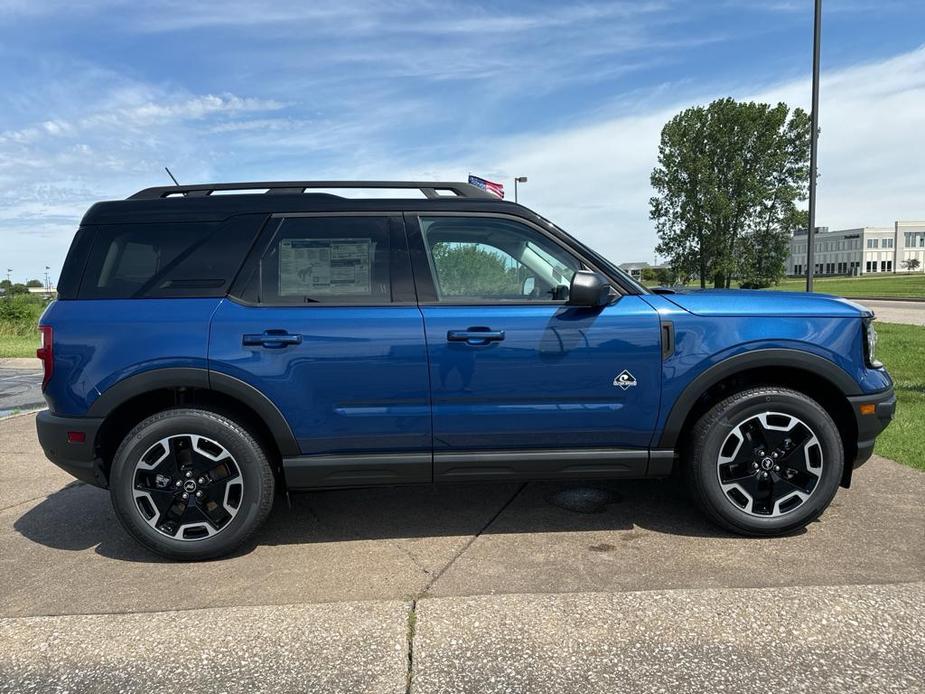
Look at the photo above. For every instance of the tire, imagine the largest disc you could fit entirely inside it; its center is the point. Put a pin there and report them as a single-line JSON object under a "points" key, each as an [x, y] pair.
{"points": [[765, 461], [217, 463]]}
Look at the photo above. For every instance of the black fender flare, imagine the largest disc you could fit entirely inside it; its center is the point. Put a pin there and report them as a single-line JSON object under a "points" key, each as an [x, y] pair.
{"points": [[759, 358], [193, 377]]}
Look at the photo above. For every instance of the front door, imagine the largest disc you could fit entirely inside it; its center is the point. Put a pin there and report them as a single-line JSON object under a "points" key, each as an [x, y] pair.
{"points": [[522, 384], [325, 324]]}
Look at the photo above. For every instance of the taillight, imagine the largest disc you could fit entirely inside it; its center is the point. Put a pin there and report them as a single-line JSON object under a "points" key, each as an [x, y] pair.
{"points": [[45, 353]]}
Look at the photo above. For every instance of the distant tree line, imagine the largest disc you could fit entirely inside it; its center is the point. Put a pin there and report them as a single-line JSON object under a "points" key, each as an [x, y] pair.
{"points": [[13, 288], [727, 182]]}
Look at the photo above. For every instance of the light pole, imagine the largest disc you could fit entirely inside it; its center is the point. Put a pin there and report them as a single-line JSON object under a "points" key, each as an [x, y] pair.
{"points": [[813, 147], [518, 179], [47, 279]]}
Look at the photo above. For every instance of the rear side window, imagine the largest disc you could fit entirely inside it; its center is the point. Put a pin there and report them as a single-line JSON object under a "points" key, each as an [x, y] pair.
{"points": [[185, 259], [326, 260]]}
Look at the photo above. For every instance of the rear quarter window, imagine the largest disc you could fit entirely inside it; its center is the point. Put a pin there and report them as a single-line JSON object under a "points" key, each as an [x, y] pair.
{"points": [[167, 260]]}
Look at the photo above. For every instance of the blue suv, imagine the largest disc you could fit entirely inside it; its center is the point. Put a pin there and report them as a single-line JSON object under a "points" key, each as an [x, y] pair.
{"points": [[210, 347]]}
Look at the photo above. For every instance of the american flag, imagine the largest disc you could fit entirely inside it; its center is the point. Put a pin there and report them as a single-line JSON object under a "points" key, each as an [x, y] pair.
{"points": [[490, 186]]}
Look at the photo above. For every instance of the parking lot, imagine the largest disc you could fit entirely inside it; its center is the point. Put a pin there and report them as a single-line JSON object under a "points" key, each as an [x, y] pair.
{"points": [[537, 587]]}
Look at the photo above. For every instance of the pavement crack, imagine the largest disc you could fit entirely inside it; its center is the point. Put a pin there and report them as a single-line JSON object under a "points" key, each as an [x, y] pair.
{"points": [[471, 540], [412, 624]]}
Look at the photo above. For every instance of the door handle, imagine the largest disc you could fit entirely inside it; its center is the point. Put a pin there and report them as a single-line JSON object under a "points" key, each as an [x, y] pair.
{"points": [[273, 339], [475, 336]]}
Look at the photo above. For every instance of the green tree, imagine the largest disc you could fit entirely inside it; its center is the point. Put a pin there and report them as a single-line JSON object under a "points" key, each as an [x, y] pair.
{"points": [[912, 264], [726, 184], [34, 283], [466, 269]]}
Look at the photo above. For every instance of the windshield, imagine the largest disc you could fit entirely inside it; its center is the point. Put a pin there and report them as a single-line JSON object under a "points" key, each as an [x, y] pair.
{"points": [[601, 261]]}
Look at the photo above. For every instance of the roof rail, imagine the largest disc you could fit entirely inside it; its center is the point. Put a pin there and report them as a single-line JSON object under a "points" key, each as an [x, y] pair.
{"points": [[431, 189]]}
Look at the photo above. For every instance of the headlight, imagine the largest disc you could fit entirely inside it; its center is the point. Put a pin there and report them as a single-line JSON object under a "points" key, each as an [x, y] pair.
{"points": [[870, 343]]}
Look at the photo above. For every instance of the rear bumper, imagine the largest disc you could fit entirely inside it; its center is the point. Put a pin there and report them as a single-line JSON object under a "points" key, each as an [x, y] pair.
{"points": [[77, 459], [870, 425]]}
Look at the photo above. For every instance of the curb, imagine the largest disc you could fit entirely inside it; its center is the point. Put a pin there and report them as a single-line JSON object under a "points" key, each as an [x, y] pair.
{"points": [[22, 410]]}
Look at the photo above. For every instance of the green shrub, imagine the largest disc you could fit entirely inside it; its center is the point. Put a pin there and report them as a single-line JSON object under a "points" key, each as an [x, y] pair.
{"points": [[19, 315]]}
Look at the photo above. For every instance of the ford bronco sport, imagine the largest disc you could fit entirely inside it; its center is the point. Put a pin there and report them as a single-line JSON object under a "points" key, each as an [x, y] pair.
{"points": [[209, 347]]}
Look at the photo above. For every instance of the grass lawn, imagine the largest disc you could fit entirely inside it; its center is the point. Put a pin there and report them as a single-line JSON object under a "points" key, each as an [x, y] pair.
{"points": [[886, 285], [902, 350], [18, 346]]}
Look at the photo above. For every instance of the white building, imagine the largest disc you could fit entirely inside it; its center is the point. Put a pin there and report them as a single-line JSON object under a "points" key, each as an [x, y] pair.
{"points": [[860, 251]]}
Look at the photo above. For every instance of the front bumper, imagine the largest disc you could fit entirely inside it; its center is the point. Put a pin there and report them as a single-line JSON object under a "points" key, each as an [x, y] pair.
{"points": [[77, 459], [880, 408]]}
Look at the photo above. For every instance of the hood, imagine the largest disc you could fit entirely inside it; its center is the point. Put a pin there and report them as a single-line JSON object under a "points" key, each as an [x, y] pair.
{"points": [[756, 302]]}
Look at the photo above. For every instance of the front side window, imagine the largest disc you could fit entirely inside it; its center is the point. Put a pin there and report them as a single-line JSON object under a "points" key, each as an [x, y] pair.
{"points": [[325, 260], [483, 259]]}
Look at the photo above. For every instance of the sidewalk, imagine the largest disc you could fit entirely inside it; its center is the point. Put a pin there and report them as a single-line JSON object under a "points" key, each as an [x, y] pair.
{"points": [[863, 638]]}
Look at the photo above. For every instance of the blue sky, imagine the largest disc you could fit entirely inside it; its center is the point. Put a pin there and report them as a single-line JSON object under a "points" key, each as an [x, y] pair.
{"points": [[98, 96]]}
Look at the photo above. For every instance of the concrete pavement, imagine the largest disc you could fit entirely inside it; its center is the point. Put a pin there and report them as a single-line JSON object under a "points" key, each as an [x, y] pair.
{"points": [[909, 312], [107, 611], [814, 640]]}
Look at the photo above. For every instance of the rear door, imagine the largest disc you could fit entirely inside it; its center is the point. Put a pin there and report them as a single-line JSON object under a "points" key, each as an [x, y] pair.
{"points": [[324, 322], [522, 384]]}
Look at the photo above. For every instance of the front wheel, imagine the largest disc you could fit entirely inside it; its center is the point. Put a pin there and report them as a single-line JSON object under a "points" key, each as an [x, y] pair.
{"points": [[191, 484], [765, 461]]}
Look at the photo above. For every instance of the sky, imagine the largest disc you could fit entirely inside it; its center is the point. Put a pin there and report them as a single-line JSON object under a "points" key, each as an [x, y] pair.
{"points": [[100, 95]]}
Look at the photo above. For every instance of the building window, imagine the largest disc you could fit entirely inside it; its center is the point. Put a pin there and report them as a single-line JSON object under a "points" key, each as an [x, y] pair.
{"points": [[872, 243], [887, 243]]}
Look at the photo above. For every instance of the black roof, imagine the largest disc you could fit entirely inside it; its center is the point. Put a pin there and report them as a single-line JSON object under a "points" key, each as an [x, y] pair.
{"points": [[199, 203]]}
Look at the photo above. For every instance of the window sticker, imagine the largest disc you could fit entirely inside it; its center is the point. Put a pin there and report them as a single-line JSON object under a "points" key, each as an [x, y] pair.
{"points": [[325, 266]]}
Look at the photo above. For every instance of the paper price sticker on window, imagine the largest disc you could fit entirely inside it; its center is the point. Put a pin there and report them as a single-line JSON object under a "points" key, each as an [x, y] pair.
{"points": [[324, 266]]}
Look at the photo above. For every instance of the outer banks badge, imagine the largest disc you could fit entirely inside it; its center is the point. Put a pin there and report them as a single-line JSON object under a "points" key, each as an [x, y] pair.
{"points": [[625, 380]]}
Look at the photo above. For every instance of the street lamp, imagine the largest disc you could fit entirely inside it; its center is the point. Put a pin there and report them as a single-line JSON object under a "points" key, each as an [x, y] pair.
{"points": [[518, 179], [814, 144]]}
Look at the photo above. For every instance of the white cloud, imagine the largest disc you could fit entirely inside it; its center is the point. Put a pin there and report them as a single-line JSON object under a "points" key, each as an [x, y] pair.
{"points": [[591, 178], [594, 179]]}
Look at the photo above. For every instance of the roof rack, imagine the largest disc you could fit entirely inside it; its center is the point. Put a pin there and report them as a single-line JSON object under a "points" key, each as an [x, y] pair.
{"points": [[431, 189]]}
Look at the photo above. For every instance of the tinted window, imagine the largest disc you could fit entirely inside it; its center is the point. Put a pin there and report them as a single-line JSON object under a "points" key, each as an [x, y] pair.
{"points": [[327, 260], [484, 259], [69, 280], [167, 260]]}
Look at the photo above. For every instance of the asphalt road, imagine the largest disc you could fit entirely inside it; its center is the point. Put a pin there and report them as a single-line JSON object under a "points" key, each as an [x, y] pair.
{"points": [[20, 385], [465, 588]]}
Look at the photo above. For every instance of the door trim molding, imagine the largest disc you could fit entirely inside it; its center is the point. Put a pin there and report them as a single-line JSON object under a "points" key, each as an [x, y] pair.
{"points": [[544, 464], [389, 469], [358, 470]]}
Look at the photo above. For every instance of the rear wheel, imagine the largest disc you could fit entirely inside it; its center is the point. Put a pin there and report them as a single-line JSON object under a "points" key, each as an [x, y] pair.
{"points": [[191, 484], [765, 461]]}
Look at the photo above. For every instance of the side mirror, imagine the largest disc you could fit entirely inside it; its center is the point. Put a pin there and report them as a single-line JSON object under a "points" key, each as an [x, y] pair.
{"points": [[528, 286], [588, 289]]}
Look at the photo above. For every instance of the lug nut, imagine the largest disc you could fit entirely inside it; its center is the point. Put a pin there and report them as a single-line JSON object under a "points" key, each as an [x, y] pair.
{"points": [[777, 468], [178, 483], [185, 495], [754, 466], [189, 474], [775, 454], [764, 474], [198, 495], [201, 480]]}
